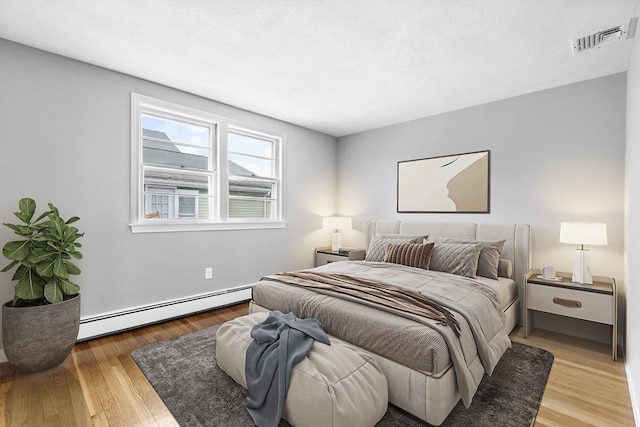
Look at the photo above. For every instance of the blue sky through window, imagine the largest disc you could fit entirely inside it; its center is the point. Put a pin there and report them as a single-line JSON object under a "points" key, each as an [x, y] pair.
{"points": [[179, 132]]}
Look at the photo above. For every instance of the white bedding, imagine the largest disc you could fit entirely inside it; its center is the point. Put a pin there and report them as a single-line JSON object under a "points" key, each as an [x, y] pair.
{"points": [[507, 289]]}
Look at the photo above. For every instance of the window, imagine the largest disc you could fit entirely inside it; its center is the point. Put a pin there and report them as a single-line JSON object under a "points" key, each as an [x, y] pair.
{"points": [[253, 180], [192, 170]]}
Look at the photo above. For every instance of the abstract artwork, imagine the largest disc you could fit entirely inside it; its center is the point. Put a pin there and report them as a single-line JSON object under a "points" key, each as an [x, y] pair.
{"points": [[445, 184]]}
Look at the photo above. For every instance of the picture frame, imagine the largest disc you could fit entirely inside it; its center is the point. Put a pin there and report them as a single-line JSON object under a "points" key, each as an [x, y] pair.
{"points": [[455, 183]]}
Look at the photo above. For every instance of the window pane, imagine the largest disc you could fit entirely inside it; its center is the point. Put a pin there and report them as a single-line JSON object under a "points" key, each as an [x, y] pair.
{"points": [[168, 154], [251, 208], [158, 206], [177, 206], [251, 199], [250, 188], [168, 178], [170, 130], [173, 194], [244, 144], [250, 159], [241, 165]]}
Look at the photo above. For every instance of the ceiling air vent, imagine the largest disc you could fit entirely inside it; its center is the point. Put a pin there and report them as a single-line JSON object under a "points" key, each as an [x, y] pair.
{"points": [[604, 37]]}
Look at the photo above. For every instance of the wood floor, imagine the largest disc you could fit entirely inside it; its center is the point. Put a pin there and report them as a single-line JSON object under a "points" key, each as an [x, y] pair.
{"points": [[100, 385]]}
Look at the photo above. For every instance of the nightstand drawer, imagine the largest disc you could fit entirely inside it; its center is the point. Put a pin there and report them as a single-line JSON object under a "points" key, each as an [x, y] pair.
{"points": [[572, 303], [325, 255], [322, 259]]}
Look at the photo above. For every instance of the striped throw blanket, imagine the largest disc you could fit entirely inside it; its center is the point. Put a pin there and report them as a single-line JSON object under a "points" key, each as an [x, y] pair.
{"points": [[403, 299]]}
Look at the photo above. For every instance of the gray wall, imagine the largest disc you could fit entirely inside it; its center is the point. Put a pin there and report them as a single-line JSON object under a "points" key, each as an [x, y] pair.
{"points": [[632, 221], [65, 138], [556, 155]]}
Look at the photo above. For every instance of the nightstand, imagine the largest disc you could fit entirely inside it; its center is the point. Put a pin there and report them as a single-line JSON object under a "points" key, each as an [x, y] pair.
{"points": [[325, 255], [595, 303]]}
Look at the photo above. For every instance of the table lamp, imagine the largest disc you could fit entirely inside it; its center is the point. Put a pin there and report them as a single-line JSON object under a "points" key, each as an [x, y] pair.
{"points": [[336, 223], [581, 234]]}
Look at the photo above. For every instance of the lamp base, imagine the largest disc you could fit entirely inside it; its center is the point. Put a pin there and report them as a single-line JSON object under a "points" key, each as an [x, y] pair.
{"points": [[336, 242], [581, 271]]}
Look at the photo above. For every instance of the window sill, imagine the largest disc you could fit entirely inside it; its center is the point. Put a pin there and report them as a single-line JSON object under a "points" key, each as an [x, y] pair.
{"points": [[172, 228]]}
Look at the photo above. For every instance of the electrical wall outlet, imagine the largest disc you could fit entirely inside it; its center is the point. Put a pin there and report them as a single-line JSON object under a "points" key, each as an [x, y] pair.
{"points": [[208, 273]]}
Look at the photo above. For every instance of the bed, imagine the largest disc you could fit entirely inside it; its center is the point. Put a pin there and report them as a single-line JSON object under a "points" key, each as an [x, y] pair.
{"points": [[428, 368]]}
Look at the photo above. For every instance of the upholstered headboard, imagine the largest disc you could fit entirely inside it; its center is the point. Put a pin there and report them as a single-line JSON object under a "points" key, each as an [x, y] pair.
{"points": [[517, 247]]}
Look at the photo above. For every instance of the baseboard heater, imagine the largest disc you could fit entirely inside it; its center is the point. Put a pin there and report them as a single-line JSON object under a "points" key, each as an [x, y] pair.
{"points": [[134, 317]]}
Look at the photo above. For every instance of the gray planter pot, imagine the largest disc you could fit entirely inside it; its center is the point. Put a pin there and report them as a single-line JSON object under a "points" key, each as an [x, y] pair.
{"points": [[39, 338]]}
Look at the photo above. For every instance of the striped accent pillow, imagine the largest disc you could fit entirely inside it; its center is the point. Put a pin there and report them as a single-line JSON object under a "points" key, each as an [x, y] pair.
{"points": [[409, 254]]}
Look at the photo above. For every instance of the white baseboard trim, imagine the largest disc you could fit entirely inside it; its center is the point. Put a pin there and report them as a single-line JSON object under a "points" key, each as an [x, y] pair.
{"points": [[632, 395], [120, 320]]}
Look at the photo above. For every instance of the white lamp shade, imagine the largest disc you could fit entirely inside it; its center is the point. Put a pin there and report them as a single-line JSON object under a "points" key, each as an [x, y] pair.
{"points": [[336, 223], [583, 233]]}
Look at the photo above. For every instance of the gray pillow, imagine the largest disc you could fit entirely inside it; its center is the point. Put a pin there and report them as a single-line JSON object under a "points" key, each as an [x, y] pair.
{"points": [[505, 268], [489, 254], [456, 258], [376, 249], [416, 239]]}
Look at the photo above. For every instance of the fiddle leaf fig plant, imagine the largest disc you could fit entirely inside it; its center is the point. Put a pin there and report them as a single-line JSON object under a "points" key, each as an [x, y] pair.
{"points": [[44, 255]]}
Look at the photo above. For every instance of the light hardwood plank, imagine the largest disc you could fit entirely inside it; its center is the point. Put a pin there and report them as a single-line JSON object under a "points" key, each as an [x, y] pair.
{"points": [[100, 384], [585, 386]]}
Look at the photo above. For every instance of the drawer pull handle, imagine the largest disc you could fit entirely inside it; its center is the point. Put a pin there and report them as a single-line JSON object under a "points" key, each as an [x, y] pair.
{"points": [[567, 302]]}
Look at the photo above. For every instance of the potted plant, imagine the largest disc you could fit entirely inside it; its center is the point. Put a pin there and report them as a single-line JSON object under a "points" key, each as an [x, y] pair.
{"points": [[40, 326]]}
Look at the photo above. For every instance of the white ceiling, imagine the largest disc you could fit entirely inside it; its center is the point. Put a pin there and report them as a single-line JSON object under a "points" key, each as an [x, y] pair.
{"points": [[338, 67]]}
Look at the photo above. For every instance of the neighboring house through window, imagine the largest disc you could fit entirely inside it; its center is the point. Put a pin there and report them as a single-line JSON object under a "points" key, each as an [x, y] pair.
{"points": [[181, 181]]}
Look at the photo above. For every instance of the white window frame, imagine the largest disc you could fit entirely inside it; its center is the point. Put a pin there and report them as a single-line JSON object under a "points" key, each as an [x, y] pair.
{"points": [[219, 170], [276, 180]]}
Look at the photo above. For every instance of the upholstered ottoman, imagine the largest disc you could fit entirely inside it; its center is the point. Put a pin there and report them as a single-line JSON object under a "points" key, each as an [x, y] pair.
{"points": [[333, 386]]}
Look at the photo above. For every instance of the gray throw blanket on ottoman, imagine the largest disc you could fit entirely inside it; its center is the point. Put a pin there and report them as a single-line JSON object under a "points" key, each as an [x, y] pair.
{"points": [[279, 343]]}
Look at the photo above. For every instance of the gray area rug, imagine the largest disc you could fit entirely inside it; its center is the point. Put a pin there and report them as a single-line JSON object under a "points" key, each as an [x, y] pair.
{"points": [[184, 373]]}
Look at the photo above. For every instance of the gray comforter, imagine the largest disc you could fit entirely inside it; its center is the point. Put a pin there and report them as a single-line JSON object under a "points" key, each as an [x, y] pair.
{"points": [[474, 305]]}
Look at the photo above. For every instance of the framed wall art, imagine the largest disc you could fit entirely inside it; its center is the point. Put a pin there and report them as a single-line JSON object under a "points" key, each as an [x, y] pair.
{"points": [[458, 183]]}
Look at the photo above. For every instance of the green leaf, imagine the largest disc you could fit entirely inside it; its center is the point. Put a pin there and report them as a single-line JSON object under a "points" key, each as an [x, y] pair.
{"points": [[20, 272], [71, 268], [30, 286], [21, 230], [52, 293], [72, 220], [53, 209], [60, 269], [67, 286], [75, 254], [39, 255], [53, 243], [43, 215], [27, 208], [16, 251], [45, 269], [47, 225], [59, 227], [9, 267], [22, 217]]}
